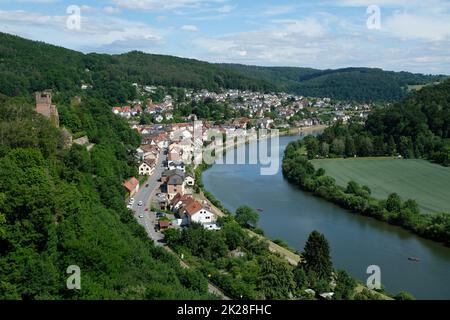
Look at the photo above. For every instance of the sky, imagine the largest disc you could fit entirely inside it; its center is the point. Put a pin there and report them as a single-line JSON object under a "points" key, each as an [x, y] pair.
{"points": [[399, 35]]}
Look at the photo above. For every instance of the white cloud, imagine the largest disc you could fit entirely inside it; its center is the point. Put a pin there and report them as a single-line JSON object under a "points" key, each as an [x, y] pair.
{"points": [[96, 32], [163, 4], [309, 27], [414, 26], [226, 9], [387, 3], [111, 9], [161, 18], [413, 37], [189, 28], [279, 10], [324, 42], [87, 9], [37, 1]]}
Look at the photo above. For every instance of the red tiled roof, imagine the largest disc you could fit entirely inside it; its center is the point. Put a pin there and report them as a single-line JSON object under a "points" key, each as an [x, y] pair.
{"points": [[150, 148], [179, 197], [176, 199], [164, 224], [193, 208], [131, 184]]}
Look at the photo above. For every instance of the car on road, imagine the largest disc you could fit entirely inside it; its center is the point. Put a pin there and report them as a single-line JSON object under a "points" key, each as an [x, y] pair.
{"points": [[140, 203], [147, 185], [141, 216], [160, 215]]}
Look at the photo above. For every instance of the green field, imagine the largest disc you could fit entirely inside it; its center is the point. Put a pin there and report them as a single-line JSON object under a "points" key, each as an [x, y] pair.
{"points": [[427, 183]]}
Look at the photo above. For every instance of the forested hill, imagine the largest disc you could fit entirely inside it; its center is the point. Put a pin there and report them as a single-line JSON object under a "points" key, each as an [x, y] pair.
{"points": [[363, 84], [27, 66], [62, 207], [417, 127]]}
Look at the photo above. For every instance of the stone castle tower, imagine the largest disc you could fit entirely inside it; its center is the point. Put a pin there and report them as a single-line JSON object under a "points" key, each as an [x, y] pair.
{"points": [[45, 107]]}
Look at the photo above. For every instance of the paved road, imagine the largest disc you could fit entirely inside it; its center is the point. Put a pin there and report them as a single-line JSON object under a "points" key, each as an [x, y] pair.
{"points": [[149, 220], [145, 195]]}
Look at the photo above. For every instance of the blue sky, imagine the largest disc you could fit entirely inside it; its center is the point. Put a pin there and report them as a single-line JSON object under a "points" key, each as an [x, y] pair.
{"points": [[414, 35]]}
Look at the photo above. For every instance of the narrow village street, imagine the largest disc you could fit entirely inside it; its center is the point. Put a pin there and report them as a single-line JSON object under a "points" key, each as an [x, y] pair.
{"points": [[143, 213], [146, 218]]}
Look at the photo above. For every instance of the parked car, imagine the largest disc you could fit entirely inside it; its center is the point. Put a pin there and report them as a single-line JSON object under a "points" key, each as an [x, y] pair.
{"points": [[160, 215], [141, 216]]}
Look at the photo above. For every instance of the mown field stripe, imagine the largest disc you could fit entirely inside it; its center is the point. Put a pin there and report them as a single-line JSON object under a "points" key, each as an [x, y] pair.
{"points": [[427, 183]]}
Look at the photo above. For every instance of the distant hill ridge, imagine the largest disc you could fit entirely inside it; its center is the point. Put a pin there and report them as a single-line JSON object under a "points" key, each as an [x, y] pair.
{"points": [[27, 66]]}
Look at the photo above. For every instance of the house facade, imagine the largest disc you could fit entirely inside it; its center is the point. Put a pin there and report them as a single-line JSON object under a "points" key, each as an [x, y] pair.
{"points": [[174, 180], [147, 168], [202, 216], [132, 186], [190, 210]]}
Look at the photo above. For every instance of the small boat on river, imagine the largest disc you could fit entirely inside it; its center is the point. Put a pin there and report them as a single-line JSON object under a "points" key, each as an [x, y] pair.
{"points": [[414, 259]]}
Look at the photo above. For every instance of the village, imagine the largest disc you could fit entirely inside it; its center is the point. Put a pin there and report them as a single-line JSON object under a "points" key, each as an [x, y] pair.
{"points": [[263, 110], [164, 159], [168, 146]]}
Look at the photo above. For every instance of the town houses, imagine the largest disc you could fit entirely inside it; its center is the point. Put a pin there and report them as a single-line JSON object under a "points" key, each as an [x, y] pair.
{"points": [[127, 111], [276, 110], [172, 143], [177, 181], [190, 210]]}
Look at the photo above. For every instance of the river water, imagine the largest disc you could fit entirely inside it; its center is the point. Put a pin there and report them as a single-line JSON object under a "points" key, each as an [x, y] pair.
{"points": [[356, 242]]}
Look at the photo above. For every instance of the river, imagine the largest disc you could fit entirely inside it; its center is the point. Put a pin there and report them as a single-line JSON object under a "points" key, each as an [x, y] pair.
{"points": [[356, 242]]}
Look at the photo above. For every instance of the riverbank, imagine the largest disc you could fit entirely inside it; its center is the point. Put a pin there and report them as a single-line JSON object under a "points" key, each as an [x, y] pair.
{"points": [[306, 130], [291, 257], [290, 132], [358, 198]]}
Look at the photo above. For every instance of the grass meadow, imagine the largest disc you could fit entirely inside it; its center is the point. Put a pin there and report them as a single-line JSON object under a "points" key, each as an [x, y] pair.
{"points": [[425, 182]]}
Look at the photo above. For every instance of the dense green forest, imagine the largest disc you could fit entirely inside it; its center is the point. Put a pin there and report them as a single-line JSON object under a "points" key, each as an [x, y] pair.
{"points": [[27, 66], [360, 84], [65, 206], [417, 127]]}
